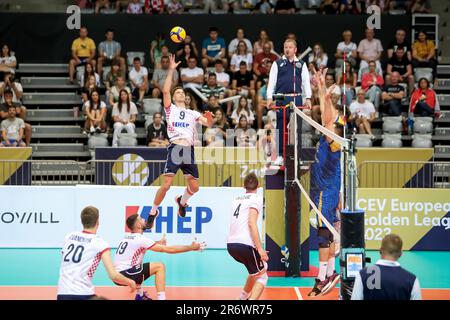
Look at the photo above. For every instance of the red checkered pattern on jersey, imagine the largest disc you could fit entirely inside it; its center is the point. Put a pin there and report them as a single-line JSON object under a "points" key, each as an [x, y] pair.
{"points": [[137, 257], [94, 265]]}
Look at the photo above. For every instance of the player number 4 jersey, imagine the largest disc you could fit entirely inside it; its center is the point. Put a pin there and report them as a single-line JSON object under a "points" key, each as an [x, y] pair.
{"points": [[239, 229], [81, 255], [131, 251], [181, 123]]}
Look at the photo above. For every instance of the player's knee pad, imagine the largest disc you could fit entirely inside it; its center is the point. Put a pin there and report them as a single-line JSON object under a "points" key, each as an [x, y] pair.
{"points": [[263, 278], [325, 237]]}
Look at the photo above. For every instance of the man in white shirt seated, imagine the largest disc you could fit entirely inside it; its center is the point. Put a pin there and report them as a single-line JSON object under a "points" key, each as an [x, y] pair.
{"points": [[139, 80], [192, 77], [363, 114]]}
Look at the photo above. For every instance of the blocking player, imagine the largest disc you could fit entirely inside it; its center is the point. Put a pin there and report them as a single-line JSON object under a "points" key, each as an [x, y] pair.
{"points": [[181, 128], [81, 255], [131, 251], [244, 243], [325, 187]]}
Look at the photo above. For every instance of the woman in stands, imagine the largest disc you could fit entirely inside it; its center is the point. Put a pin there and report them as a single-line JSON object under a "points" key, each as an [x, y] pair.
{"points": [[424, 53], [124, 115], [240, 55], [95, 111], [258, 45], [351, 79], [243, 109], [318, 57], [8, 62], [89, 71], [190, 102], [424, 101], [186, 54], [217, 134], [245, 137]]}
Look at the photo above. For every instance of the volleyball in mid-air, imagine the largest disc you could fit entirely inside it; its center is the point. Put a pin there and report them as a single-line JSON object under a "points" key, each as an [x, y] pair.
{"points": [[177, 34]]}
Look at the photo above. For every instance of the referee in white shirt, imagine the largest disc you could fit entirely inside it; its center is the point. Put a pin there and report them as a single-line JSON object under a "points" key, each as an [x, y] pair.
{"points": [[387, 280], [288, 75]]}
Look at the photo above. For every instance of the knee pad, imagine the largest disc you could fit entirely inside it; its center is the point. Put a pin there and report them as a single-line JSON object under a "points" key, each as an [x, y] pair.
{"points": [[325, 237], [263, 278]]}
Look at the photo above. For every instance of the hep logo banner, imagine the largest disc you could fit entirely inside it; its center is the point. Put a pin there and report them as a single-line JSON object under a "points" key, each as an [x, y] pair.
{"points": [[168, 220]]}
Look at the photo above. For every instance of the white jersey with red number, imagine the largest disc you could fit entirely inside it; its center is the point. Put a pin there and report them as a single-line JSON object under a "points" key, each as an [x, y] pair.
{"points": [[81, 255], [181, 123], [239, 229], [131, 251]]}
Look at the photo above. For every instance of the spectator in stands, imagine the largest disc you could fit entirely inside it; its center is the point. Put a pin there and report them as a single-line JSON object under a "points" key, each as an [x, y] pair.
{"points": [[95, 111], [285, 7], [263, 78], [245, 137], [351, 79], [424, 53], [135, 7], [175, 7], [187, 40], [399, 42], [88, 88], [329, 82], [241, 55], [243, 109], [420, 6], [14, 86], [261, 99], [217, 134], [212, 88], [192, 76], [233, 46], [329, 6], [370, 49], [187, 53], [124, 115], [156, 48], [259, 44], [264, 7], [263, 59], [392, 95], [109, 52], [349, 48], [399, 5], [89, 71], [139, 80], [12, 130], [371, 83], [335, 96], [424, 101], [154, 6], [8, 61], [115, 90], [83, 52], [111, 77], [243, 83], [121, 4], [223, 78], [160, 75], [401, 64], [318, 57], [211, 105], [267, 142], [99, 4], [213, 48], [363, 114], [157, 132], [190, 102], [21, 112], [351, 7]]}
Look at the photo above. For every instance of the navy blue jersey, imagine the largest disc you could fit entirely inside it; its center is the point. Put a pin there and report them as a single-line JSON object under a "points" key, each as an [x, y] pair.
{"points": [[326, 169]]}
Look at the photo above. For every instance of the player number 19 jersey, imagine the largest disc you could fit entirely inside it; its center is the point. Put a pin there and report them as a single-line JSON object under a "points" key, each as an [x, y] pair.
{"points": [[239, 229], [81, 255], [131, 251]]}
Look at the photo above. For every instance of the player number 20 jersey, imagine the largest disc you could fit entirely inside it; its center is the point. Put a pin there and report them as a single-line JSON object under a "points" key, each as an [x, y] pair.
{"points": [[239, 229], [131, 251], [181, 123], [81, 255]]}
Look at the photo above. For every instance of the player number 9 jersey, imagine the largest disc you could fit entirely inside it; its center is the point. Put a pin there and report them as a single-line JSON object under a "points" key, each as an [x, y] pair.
{"points": [[181, 123]]}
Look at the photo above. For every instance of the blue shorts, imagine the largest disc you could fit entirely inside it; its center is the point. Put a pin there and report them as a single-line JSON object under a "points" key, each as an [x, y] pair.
{"points": [[11, 141], [327, 202], [181, 157]]}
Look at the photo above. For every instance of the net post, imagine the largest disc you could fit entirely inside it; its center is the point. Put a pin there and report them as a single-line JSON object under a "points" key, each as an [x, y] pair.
{"points": [[352, 257]]}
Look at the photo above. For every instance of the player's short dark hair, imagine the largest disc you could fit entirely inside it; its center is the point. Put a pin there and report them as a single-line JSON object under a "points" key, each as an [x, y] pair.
{"points": [[89, 217], [177, 88], [136, 59], [131, 221], [251, 182], [392, 245]]}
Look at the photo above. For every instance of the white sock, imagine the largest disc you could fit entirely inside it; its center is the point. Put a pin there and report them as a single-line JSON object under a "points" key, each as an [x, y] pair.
{"points": [[153, 211], [322, 270], [140, 291], [186, 195], [330, 267], [244, 295], [161, 295]]}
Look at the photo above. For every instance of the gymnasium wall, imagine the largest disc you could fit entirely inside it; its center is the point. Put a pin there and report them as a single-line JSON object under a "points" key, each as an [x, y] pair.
{"points": [[46, 38]]}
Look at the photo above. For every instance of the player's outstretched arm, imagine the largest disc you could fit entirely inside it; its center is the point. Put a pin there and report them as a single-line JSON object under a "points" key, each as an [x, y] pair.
{"points": [[113, 274], [327, 109], [167, 97], [206, 119], [195, 246], [254, 233]]}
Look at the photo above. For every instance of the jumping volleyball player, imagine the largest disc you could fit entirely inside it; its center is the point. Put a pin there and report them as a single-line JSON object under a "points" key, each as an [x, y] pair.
{"points": [[181, 130], [244, 243], [325, 187]]}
